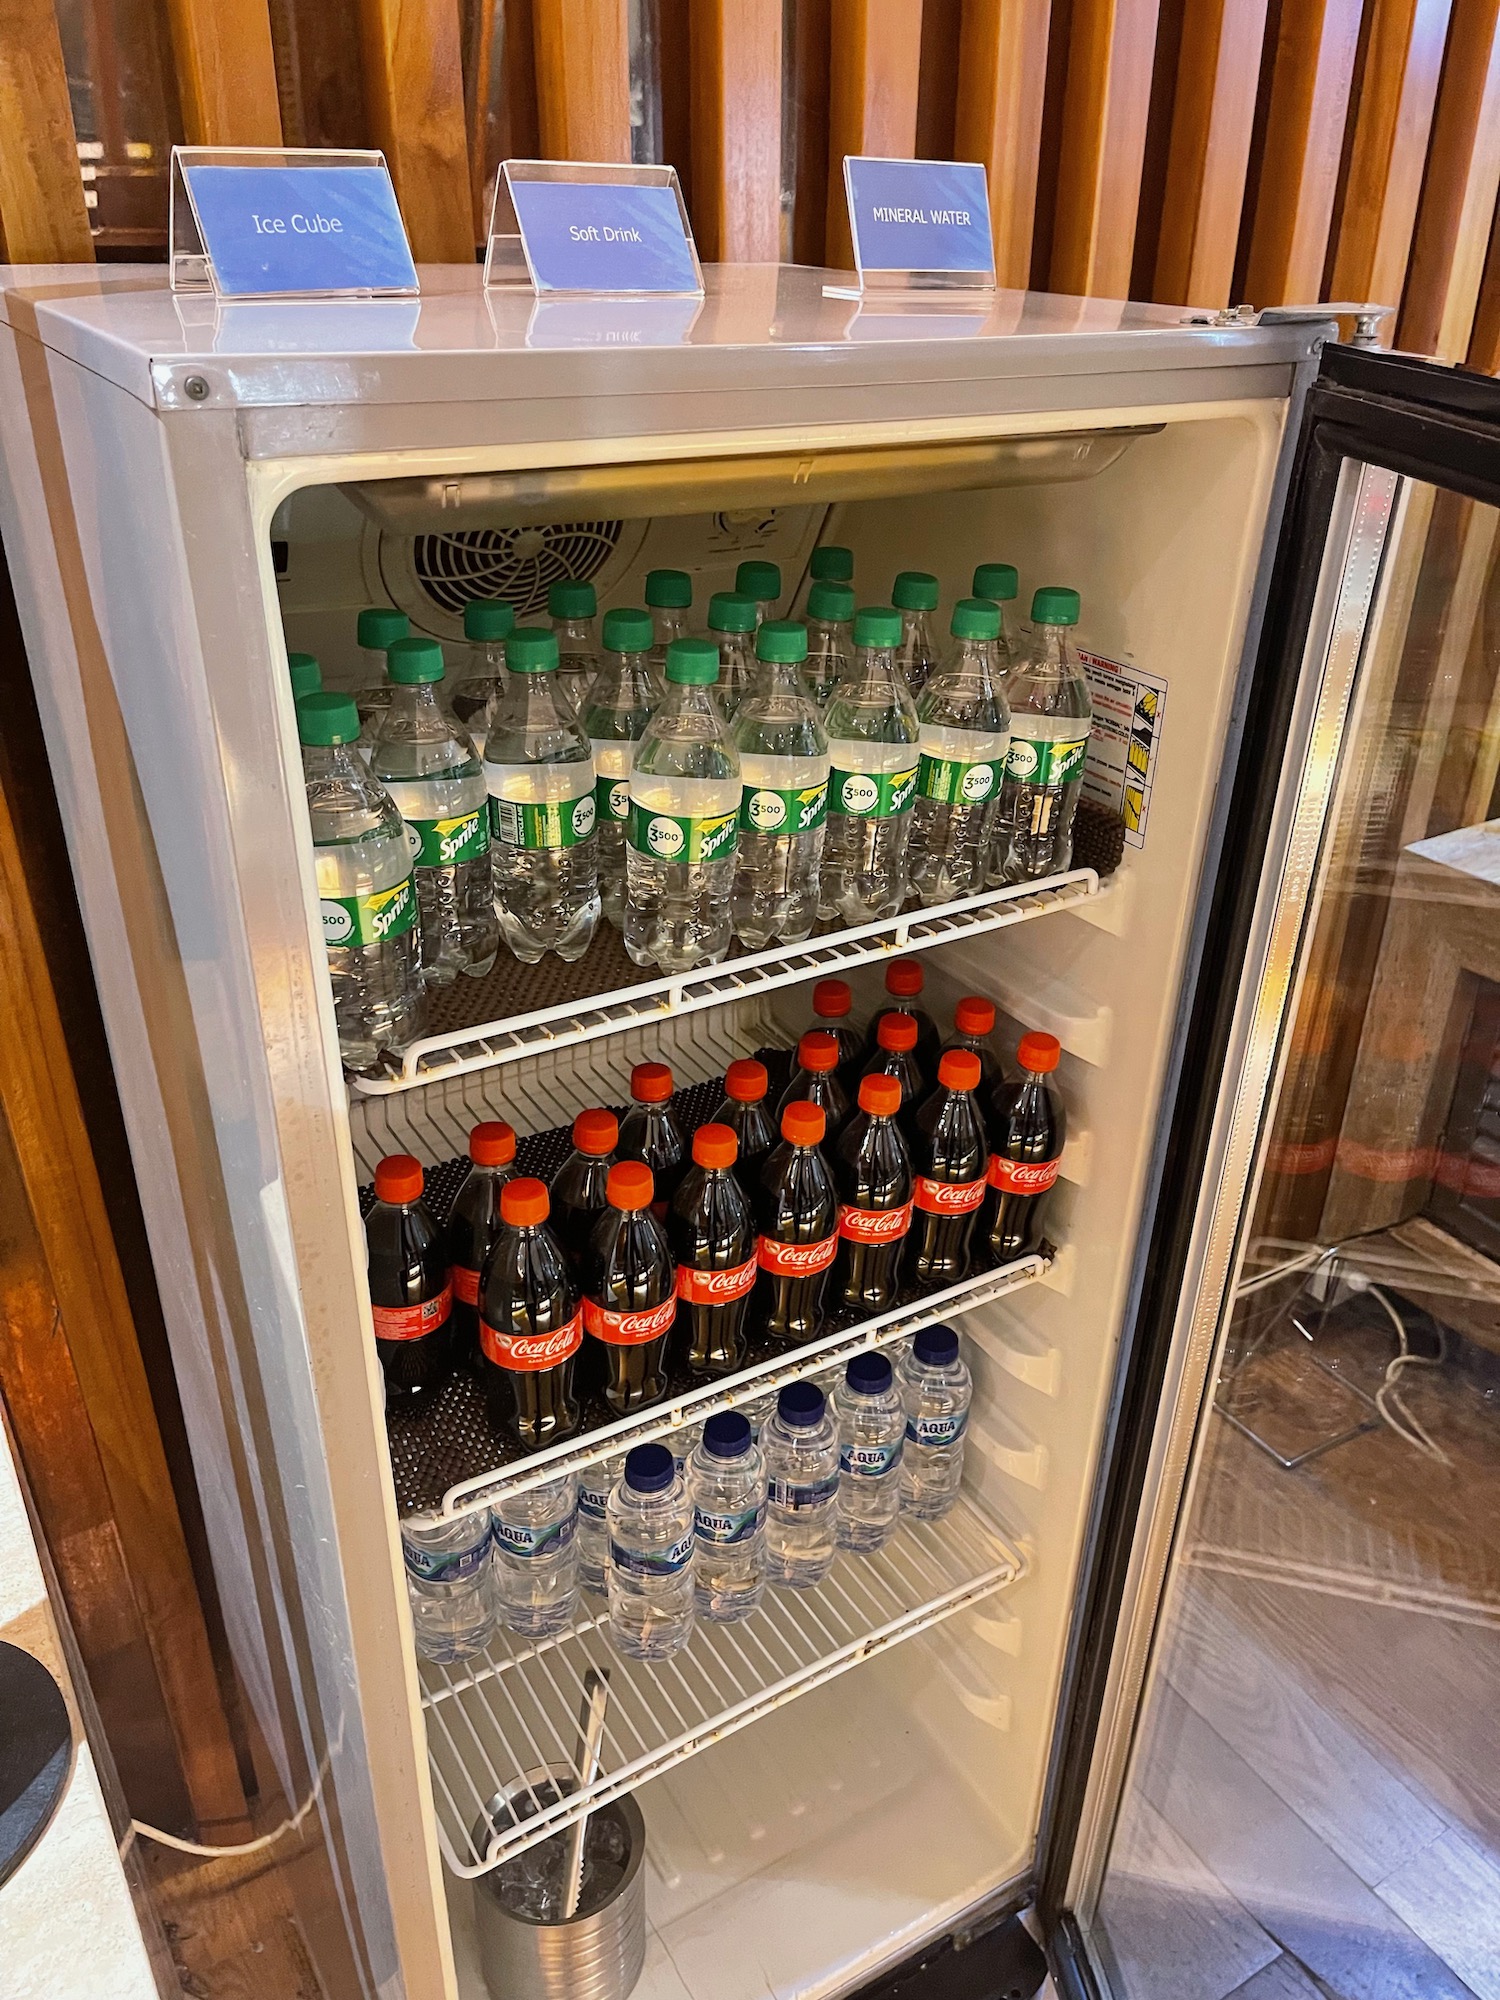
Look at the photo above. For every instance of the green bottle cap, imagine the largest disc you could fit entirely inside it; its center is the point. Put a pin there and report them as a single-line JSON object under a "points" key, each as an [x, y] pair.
{"points": [[729, 612], [410, 661], [381, 626], [572, 600], [532, 649], [307, 675], [996, 581], [1055, 604], [327, 718], [831, 601], [831, 564], [975, 618], [915, 590], [877, 625], [760, 580], [628, 631], [486, 618], [693, 662], [669, 590], [783, 640]]}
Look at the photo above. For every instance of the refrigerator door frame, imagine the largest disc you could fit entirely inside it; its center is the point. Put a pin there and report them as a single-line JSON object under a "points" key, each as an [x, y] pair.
{"points": [[1372, 423]]}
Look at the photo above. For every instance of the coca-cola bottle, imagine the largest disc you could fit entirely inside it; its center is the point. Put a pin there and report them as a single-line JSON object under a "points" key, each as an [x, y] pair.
{"points": [[411, 1300], [745, 1112], [973, 1024], [578, 1185], [473, 1224], [796, 1220], [1027, 1125], [649, 1131], [530, 1322], [951, 1155], [904, 980], [815, 1080], [895, 1055], [629, 1294], [711, 1232], [872, 1172], [833, 1003]]}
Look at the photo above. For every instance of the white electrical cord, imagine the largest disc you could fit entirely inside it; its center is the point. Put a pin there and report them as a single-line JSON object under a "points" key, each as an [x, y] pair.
{"points": [[1387, 1398], [140, 1830]]}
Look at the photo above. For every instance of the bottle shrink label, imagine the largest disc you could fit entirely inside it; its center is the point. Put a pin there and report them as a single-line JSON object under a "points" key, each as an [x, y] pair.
{"points": [[715, 1288], [440, 843], [874, 1225], [447, 1565], [465, 1285], [549, 823], [801, 809], [869, 1461], [951, 782], [670, 1561], [629, 1329], [1021, 1176], [612, 765], [372, 919], [724, 1530], [948, 1197], [411, 1322], [592, 1500], [796, 1498], [947, 1428], [519, 1538], [1046, 761], [795, 1260], [671, 837], [871, 794], [529, 1351]]}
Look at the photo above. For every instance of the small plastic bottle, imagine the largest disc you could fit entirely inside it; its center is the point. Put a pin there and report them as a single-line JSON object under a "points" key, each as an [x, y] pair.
{"points": [[872, 1424], [650, 1131], [629, 1295], [965, 725], [915, 596], [650, 1557], [783, 753], [745, 1111], [727, 1482], [998, 583], [578, 1186], [1051, 714], [378, 626], [761, 582], [872, 747], [973, 1025], [801, 1446], [621, 702], [595, 1484], [935, 1393], [830, 562], [411, 1296], [731, 626], [449, 1579], [473, 1225], [669, 599], [816, 1079], [573, 607], [896, 1055], [711, 1231], [487, 625], [832, 1005], [905, 981], [536, 1557], [830, 640]]}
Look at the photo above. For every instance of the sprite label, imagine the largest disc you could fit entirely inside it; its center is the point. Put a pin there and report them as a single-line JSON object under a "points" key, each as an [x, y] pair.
{"points": [[439, 843], [544, 823], [360, 920], [802, 809], [952, 782], [666, 837], [1047, 762], [871, 794]]}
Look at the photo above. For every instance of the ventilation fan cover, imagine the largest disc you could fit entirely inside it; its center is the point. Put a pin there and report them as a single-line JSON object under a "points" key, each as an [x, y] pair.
{"points": [[433, 576]]}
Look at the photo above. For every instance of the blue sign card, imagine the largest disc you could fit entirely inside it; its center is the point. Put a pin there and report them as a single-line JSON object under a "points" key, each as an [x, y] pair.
{"points": [[604, 236], [920, 215], [270, 230]]}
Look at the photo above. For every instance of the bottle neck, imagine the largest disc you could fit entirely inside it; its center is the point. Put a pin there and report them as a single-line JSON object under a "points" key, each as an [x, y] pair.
{"points": [[414, 698], [329, 762], [1053, 647], [779, 677], [972, 657], [579, 630], [877, 663], [671, 624]]}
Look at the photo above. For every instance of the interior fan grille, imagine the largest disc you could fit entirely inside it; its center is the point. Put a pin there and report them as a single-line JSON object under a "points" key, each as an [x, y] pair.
{"points": [[515, 565]]}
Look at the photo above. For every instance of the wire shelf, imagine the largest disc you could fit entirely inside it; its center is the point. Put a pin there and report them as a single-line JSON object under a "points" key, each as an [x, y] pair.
{"points": [[492, 1721]]}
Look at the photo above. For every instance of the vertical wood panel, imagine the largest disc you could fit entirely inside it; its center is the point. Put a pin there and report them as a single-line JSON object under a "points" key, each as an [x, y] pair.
{"points": [[736, 78], [1002, 82], [1458, 195], [937, 79], [483, 25], [226, 72], [674, 47], [414, 95], [1103, 141], [520, 135], [583, 78], [875, 53], [1213, 114], [805, 110], [42, 215], [1484, 342]]}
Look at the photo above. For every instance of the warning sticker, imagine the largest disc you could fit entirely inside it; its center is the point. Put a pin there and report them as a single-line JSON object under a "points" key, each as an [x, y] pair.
{"points": [[1129, 705]]}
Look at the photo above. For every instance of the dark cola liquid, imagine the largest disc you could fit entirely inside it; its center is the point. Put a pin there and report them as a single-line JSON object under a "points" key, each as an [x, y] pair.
{"points": [[1027, 1128], [629, 1307], [411, 1300], [751, 1125], [578, 1201], [950, 1158], [650, 1132], [796, 1217], [820, 1087], [902, 1064], [929, 1041], [711, 1234], [531, 1328], [473, 1225], [853, 1047], [872, 1172]]}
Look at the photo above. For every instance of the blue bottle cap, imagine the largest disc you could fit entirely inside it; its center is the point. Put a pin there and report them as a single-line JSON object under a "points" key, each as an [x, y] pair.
{"points": [[935, 1347], [868, 1374], [800, 1405], [727, 1435], [649, 1468]]}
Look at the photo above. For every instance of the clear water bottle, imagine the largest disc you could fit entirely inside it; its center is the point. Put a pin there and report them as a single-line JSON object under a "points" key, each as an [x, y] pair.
{"points": [[536, 1557], [965, 725], [305, 674], [829, 563], [872, 745], [573, 607], [365, 887], [830, 640], [684, 817], [731, 625], [915, 596], [872, 1424], [998, 583], [935, 1394], [669, 599], [761, 582], [540, 774], [727, 1481], [487, 625], [650, 1557], [449, 1579], [783, 754], [427, 763], [620, 704], [378, 626], [1049, 739], [801, 1446], [595, 1484]]}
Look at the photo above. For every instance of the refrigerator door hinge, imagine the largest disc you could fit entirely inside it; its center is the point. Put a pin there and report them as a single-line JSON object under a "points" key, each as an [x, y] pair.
{"points": [[1366, 318]]}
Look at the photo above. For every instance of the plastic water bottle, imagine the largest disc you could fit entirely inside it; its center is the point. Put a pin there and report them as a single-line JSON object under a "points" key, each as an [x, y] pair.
{"points": [[595, 1484], [935, 1393], [650, 1557], [378, 626], [801, 1445], [684, 816], [573, 607], [915, 596], [536, 1557], [731, 625], [761, 582], [1049, 739], [872, 1424], [620, 704], [450, 1583], [487, 625], [783, 754], [830, 639], [872, 745], [998, 583], [305, 674], [829, 563], [965, 738], [727, 1481], [540, 775], [365, 887], [669, 599], [427, 763]]}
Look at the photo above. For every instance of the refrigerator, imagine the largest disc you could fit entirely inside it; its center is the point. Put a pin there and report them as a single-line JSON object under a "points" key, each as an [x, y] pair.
{"points": [[895, 1763]]}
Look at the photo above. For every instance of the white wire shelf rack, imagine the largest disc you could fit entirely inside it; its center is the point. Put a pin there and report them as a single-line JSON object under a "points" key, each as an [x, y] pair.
{"points": [[493, 1720], [462, 1049]]}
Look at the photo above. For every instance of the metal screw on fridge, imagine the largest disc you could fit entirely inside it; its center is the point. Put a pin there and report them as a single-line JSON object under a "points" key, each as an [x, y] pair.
{"points": [[195, 387]]}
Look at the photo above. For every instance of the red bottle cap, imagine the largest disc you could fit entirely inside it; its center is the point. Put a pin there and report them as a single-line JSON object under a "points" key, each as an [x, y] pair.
{"points": [[631, 1185], [715, 1146], [959, 1070], [1038, 1053], [832, 999], [746, 1081], [651, 1083], [904, 978], [898, 1032], [595, 1133], [880, 1095], [818, 1051], [398, 1179], [524, 1202], [492, 1144], [803, 1124], [973, 1016]]}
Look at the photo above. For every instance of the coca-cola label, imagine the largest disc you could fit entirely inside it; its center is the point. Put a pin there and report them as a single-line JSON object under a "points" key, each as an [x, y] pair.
{"points": [[874, 1225], [715, 1288], [629, 1329], [948, 1197], [1021, 1176], [795, 1260], [530, 1351], [465, 1285], [411, 1322]]}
